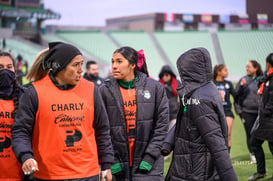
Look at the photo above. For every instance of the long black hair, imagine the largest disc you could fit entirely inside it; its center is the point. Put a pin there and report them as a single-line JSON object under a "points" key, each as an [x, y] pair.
{"points": [[132, 56], [16, 86], [216, 69], [255, 64]]}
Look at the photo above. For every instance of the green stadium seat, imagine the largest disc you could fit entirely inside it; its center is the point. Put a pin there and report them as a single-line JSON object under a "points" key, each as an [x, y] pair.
{"points": [[94, 42], [141, 40], [238, 47]]}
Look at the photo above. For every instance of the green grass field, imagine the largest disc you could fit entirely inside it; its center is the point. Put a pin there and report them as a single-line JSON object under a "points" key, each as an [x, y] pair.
{"points": [[240, 156]]}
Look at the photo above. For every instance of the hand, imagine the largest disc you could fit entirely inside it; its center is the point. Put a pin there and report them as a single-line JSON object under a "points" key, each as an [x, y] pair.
{"points": [[30, 166], [243, 82], [106, 174], [222, 94]]}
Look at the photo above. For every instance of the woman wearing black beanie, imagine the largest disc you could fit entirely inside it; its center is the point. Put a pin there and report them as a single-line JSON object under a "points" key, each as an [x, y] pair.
{"points": [[61, 131]]}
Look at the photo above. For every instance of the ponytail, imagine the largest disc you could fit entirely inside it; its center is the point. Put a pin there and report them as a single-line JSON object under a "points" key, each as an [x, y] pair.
{"points": [[216, 69], [15, 97], [141, 63], [37, 70]]}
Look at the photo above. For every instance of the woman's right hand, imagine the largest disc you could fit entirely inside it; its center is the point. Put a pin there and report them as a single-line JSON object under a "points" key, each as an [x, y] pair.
{"points": [[243, 82], [30, 166]]}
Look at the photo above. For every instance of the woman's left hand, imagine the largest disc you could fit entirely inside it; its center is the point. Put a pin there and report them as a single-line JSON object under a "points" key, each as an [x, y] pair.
{"points": [[106, 174]]}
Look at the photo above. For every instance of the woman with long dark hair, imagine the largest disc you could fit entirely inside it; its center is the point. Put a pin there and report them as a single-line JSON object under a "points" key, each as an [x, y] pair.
{"points": [[137, 107], [247, 99], [225, 88]]}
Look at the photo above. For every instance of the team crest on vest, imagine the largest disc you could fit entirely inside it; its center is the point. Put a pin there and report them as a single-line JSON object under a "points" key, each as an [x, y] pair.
{"points": [[147, 94], [227, 86]]}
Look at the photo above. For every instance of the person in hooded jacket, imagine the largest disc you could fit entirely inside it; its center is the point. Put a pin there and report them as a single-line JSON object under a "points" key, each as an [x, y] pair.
{"points": [[263, 127], [199, 138], [247, 100], [137, 107], [9, 102], [168, 79], [61, 130]]}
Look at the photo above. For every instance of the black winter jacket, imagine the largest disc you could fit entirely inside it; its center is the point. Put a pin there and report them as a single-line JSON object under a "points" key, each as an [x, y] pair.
{"points": [[25, 119], [227, 87], [97, 80], [200, 144], [265, 120], [151, 127], [246, 97]]}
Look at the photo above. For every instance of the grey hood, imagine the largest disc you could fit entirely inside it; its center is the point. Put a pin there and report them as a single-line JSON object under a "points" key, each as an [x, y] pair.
{"points": [[195, 70]]}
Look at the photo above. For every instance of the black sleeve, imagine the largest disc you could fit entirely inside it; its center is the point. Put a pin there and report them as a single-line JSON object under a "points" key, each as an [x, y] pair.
{"points": [[102, 132], [238, 96], [268, 107], [22, 128], [207, 122], [168, 143], [161, 121], [232, 90]]}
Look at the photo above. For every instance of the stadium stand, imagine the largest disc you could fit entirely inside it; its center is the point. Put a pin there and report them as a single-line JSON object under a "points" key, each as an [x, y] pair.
{"points": [[104, 66], [141, 40], [239, 47], [23, 47], [94, 42], [175, 43]]}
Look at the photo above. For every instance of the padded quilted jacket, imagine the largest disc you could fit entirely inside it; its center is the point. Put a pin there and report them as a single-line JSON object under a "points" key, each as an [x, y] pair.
{"points": [[152, 120]]}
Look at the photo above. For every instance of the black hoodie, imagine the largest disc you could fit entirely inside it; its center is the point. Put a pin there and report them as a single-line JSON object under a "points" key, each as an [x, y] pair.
{"points": [[200, 139], [173, 99]]}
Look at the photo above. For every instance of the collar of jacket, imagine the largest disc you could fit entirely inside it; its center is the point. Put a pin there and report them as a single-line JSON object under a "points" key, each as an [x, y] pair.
{"points": [[139, 82], [55, 82], [127, 84]]}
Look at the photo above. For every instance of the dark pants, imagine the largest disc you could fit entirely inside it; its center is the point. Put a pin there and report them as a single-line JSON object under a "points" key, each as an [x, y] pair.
{"points": [[249, 120], [256, 146]]}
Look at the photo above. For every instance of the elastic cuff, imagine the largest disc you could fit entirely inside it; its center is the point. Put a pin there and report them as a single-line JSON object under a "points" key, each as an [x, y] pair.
{"points": [[25, 157], [145, 166], [116, 168], [149, 159], [105, 166], [166, 149]]}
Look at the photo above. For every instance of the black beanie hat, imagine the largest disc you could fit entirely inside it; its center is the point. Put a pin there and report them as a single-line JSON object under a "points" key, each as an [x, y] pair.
{"points": [[59, 55]]}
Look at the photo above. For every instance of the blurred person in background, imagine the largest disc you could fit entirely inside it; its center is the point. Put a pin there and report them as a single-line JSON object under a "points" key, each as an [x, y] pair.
{"points": [[247, 100], [61, 131], [9, 102], [92, 73], [4, 44], [199, 139], [137, 107], [20, 74], [263, 127], [25, 72], [168, 79], [225, 88]]}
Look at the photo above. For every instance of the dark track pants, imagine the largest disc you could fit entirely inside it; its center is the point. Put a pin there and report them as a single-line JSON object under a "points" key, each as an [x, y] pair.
{"points": [[249, 120], [256, 146]]}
